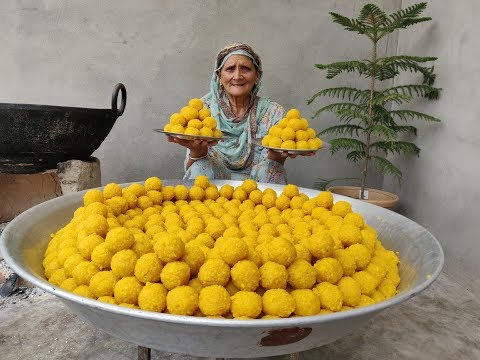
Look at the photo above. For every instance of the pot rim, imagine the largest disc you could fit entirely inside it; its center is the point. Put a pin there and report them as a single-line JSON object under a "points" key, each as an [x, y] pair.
{"points": [[15, 106], [390, 197]]}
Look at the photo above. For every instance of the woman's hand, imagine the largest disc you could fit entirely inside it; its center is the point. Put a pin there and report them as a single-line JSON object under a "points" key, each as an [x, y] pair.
{"points": [[197, 147], [282, 156]]}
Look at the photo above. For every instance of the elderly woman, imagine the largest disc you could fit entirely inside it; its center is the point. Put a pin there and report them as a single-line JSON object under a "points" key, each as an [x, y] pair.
{"points": [[242, 115]]}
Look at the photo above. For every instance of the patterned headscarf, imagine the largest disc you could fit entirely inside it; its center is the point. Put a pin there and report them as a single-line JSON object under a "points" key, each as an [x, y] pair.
{"points": [[237, 150], [228, 50]]}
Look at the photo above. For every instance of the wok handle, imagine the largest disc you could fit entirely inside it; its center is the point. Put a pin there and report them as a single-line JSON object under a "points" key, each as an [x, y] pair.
{"points": [[119, 87]]}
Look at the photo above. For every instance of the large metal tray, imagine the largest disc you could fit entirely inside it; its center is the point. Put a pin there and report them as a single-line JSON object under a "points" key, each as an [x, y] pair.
{"points": [[24, 240]]}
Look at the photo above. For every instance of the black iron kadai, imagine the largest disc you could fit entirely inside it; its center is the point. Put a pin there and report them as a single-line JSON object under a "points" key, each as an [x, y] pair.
{"points": [[34, 138]]}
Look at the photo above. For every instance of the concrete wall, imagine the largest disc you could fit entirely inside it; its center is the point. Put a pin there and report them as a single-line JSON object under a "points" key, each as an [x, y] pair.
{"points": [[441, 190], [73, 52]]}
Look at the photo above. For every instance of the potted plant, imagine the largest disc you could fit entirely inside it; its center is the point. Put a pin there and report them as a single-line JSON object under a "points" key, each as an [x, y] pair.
{"points": [[371, 120]]}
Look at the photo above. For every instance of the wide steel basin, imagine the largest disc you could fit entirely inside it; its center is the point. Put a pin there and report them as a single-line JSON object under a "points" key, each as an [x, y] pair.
{"points": [[24, 241]]}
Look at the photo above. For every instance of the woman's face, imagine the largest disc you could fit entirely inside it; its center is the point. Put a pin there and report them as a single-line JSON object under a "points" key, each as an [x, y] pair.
{"points": [[238, 76]]}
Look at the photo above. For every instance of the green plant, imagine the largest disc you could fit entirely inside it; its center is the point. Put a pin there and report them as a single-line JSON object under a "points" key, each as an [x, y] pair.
{"points": [[370, 129]]}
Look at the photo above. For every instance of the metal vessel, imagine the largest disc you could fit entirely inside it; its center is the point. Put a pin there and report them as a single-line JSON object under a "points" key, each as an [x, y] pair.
{"points": [[24, 240], [35, 138]]}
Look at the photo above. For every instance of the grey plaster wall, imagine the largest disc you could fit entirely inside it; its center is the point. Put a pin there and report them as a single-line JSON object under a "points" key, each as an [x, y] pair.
{"points": [[73, 52], [441, 190]]}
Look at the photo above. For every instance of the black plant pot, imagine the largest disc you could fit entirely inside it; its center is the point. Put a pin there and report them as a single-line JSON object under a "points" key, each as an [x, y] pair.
{"points": [[34, 138]]}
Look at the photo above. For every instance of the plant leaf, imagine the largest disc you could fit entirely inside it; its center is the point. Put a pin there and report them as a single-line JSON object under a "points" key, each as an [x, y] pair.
{"points": [[355, 156], [346, 144], [405, 58], [405, 129], [389, 65], [407, 115], [335, 107], [350, 24], [321, 184], [341, 129], [396, 147], [380, 115], [421, 90], [346, 111], [372, 15], [382, 131], [385, 72], [404, 18], [386, 167], [333, 69], [347, 115], [382, 99], [349, 93]]}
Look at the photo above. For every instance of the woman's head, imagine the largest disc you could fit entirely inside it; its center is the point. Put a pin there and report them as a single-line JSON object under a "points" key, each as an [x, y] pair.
{"points": [[239, 70]]}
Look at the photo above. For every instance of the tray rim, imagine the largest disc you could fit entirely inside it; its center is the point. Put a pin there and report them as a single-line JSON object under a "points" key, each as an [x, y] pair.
{"points": [[191, 137], [258, 142]]}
